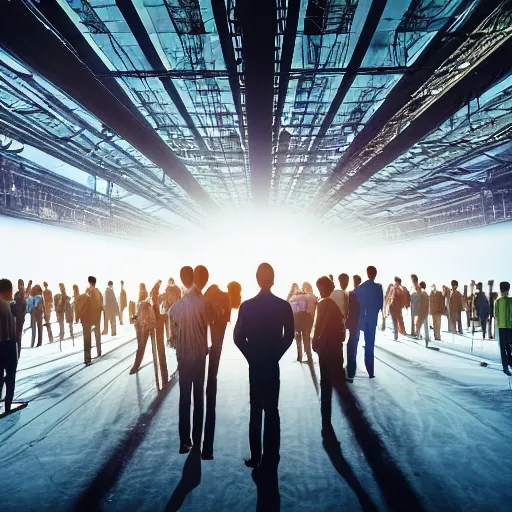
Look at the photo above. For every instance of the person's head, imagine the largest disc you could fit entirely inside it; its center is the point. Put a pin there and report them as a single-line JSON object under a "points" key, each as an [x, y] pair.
{"points": [[187, 276], [371, 272], [343, 280], [36, 290], [504, 288], [434, 287], [171, 282], [5, 289], [110, 283], [21, 284], [414, 279], [423, 285], [62, 288], [294, 289], [45, 284], [325, 286], [331, 277], [92, 281], [235, 294], [398, 281], [454, 284], [75, 288], [357, 280], [201, 277], [307, 288], [143, 292], [122, 284], [265, 276], [479, 287]]}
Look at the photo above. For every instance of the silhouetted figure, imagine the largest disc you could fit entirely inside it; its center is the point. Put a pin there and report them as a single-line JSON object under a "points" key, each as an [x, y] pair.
{"points": [[90, 307], [482, 307], [263, 333], [63, 310], [166, 300], [352, 325], [503, 315], [436, 308], [306, 325], [8, 344], [422, 311], [299, 304], [328, 344], [414, 299], [396, 304], [161, 319], [76, 294], [48, 307], [456, 308], [35, 306], [225, 302], [123, 303], [371, 299], [19, 309], [111, 309], [190, 317], [340, 297]]}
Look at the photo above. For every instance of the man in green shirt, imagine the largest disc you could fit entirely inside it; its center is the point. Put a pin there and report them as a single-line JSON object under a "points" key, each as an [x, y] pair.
{"points": [[503, 316]]}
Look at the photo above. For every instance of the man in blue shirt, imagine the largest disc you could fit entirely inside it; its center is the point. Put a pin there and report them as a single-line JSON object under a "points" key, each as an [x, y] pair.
{"points": [[371, 299]]}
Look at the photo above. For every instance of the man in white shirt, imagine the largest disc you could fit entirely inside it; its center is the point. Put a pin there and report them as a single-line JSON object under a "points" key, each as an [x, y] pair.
{"points": [[340, 297]]}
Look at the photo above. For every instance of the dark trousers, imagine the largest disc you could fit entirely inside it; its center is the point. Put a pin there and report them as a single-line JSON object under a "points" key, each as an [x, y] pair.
{"points": [[8, 364], [483, 321], [87, 339], [369, 346], [505, 348], [18, 322], [36, 322], [353, 340], [264, 396], [191, 381], [331, 372], [160, 347]]}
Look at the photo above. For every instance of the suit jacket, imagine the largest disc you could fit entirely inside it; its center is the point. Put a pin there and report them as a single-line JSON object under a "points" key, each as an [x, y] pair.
{"points": [[371, 300], [264, 330]]}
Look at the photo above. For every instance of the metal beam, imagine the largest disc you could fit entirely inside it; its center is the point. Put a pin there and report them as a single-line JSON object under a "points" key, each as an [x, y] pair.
{"points": [[135, 24], [440, 48], [484, 75], [58, 64], [258, 21]]}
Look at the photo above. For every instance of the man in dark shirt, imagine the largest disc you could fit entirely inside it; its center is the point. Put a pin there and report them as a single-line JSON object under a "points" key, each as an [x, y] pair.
{"points": [[19, 309], [264, 332], [328, 344], [8, 344]]}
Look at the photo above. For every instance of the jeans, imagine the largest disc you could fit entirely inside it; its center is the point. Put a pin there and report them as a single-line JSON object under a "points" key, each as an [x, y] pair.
{"points": [[264, 387], [87, 339], [191, 381], [505, 348], [352, 352], [8, 364]]}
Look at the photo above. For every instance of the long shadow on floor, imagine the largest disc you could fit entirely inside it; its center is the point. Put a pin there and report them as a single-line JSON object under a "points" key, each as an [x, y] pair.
{"points": [[190, 479], [267, 484], [107, 476]]}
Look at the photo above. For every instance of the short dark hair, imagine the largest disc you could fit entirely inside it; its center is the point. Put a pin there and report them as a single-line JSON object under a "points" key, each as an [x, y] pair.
{"points": [[265, 275], [201, 276], [91, 280], [423, 285], [20, 281], [5, 286], [479, 286], [110, 283], [504, 286], [325, 286], [45, 284], [414, 278], [357, 279], [122, 282], [454, 283], [344, 280], [371, 272], [187, 276], [398, 280]]}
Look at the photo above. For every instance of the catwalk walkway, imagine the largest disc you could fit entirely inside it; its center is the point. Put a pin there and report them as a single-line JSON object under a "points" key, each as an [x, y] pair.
{"points": [[431, 432]]}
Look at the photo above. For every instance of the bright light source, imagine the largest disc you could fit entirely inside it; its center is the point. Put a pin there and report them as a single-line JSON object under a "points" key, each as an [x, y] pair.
{"points": [[464, 65], [433, 92]]}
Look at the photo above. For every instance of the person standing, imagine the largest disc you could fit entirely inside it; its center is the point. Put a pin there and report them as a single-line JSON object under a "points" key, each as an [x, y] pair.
{"points": [[309, 318], [19, 309], [90, 306], [145, 321], [48, 307], [8, 344], [436, 307], [166, 300], [299, 306], [340, 297], [352, 324], [161, 319], [328, 344], [456, 308], [225, 302], [76, 294], [263, 333], [414, 299], [503, 316], [35, 306], [111, 309], [190, 317], [371, 300], [396, 304], [64, 311], [422, 310], [482, 307], [123, 303]]}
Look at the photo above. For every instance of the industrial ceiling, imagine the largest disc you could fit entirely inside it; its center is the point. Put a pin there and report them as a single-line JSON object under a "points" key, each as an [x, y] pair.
{"points": [[389, 118]]}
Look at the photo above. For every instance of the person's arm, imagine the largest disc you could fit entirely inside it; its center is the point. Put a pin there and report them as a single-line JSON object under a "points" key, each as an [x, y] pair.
{"points": [[380, 298], [317, 334], [289, 330], [240, 332], [496, 312]]}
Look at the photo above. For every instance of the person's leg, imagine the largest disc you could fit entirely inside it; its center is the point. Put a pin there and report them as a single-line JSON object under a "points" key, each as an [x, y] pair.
{"points": [[211, 398], [413, 314], [306, 335], [105, 323], [113, 323], [419, 323], [19, 332], [39, 321], [401, 325], [352, 353], [369, 348], [272, 430], [142, 340], [483, 323], [121, 313], [198, 390], [395, 326], [459, 321], [508, 346], [436, 320], [298, 339], [87, 342], [160, 347], [325, 392], [185, 382], [256, 379], [33, 327], [426, 328], [60, 320], [97, 333], [10, 356]]}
